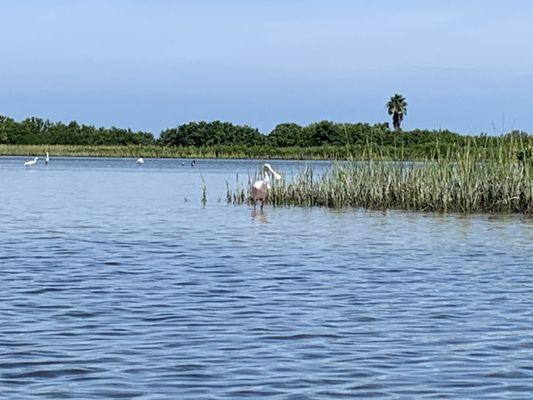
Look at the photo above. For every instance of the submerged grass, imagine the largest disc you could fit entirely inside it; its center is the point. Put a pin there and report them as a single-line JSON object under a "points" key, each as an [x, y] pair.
{"points": [[458, 182]]}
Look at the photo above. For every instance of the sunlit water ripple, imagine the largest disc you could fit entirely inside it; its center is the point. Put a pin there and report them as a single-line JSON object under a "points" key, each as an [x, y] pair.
{"points": [[118, 283]]}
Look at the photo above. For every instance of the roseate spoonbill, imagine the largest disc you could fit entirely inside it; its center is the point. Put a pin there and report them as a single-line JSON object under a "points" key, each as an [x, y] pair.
{"points": [[261, 188], [31, 163]]}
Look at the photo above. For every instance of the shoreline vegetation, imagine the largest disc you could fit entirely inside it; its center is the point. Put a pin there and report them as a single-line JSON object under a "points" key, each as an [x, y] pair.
{"points": [[321, 140], [473, 179], [436, 171], [511, 147], [463, 184]]}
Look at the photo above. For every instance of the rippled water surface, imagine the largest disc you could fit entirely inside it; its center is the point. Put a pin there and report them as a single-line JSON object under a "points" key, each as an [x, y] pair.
{"points": [[118, 283]]}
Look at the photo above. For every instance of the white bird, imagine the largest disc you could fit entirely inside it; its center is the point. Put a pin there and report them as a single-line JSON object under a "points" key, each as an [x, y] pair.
{"points": [[31, 163], [140, 161], [47, 159], [261, 188]]}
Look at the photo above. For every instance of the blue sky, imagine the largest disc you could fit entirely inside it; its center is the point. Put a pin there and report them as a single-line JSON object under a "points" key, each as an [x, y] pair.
{"points": [[462, 65]]}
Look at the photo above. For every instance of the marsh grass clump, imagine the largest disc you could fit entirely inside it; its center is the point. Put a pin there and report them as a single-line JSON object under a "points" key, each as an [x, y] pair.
{"points": [[239, 195], [464, 182], [204, 191]]}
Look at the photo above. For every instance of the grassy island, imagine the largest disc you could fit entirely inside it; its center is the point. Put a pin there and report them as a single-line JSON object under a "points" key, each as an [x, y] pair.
{"points": [[470, 179]]}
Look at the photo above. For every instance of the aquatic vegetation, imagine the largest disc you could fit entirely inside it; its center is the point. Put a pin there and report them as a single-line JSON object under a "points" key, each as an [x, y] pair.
{"points": [[476, 187], [239, 195], [454, 182], [204, 191]]}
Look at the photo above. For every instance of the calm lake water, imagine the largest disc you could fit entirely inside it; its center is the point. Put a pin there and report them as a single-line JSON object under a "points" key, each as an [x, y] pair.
{"points": [[118, 283]]}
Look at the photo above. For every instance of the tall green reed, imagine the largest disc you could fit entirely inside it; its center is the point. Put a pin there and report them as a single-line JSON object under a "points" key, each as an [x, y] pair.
{"points": [[474, 179]]}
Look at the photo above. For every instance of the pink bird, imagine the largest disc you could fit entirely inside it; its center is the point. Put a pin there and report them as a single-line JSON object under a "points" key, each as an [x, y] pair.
{"points": [[261, 188]]}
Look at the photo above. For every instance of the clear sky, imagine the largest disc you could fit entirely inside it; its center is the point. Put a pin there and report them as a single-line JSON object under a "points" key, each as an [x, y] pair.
{"points": [[466, 65]]}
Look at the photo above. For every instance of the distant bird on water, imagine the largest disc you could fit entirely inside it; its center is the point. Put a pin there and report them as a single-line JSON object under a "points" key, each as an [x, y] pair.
{"points": [[47, 159], [140, 161], [193, 163], [31, 163], [261, 188]]}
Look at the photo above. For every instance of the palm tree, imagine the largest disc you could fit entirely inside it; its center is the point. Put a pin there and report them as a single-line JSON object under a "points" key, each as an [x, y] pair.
{"points": [[397, 107]]}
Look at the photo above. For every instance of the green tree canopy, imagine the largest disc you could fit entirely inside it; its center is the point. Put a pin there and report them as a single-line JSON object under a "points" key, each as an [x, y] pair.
{"points": [[38, 131], [211, 133], [286, 135]]}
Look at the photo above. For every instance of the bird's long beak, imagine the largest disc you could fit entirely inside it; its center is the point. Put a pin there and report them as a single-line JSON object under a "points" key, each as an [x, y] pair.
{"points": [[274, 173]]}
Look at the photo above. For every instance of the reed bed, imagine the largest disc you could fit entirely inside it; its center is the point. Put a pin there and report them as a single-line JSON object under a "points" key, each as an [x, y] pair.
{"points": [[155, 151], [461, 182], [219, 151]]}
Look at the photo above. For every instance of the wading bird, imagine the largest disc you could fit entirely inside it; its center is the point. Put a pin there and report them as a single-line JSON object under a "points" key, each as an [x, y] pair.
{"points": [[261, 188], [140, 161], [47, 159], [31, 163]]}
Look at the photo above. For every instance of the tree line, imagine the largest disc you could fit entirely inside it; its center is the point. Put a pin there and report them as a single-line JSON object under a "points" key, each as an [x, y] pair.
{"points": [[36, 131], [200, 134]]}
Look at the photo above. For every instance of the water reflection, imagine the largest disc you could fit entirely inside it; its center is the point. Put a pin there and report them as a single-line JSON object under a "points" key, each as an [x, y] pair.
{"points": [[259, 215]]}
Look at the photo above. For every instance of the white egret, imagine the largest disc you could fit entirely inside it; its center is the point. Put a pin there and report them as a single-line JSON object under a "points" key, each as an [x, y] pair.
{"points": [[140, 161], [31, 163], [261, 188], [47, 159]]}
